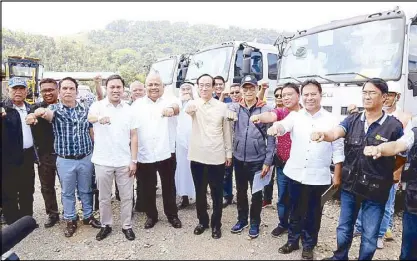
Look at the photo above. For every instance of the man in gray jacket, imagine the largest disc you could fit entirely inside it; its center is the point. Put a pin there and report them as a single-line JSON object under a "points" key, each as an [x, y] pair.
{"points": [[253, 151]]}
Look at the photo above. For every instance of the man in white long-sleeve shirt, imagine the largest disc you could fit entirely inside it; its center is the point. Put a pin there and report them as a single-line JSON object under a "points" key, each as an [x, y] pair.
{"points": [[308, 167], [154, 150]]}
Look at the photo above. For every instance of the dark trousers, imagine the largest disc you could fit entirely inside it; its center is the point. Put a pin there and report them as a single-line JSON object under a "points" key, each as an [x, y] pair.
{"points": [[18, 186], [212, 175], [47, 175], [409, 238], [244, 174], [140, 204], [305, 201], [148, 179], [283, 198], [269, 189], [228, 183]]}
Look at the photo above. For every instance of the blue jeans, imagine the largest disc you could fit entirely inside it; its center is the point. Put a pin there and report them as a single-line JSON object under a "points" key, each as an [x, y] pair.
{"points": [[388, 214], [409, 243], [283, 199], [228, 183], [306, 211], [372, 214], [76, 174]]}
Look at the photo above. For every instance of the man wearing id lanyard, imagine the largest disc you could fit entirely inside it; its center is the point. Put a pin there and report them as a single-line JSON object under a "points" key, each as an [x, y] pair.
{"points": [[308, 167], [253, 151], [73, 145]]}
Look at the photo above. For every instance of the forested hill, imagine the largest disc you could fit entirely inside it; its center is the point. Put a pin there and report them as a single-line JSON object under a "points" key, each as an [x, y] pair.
{"points": [[124, 46]]}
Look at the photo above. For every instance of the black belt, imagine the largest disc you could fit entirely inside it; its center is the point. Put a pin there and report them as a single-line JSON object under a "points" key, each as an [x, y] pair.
{"points": [[75, 157]]}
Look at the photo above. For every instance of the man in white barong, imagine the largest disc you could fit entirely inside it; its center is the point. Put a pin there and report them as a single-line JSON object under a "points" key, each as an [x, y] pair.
{"points": [[183, 177]]}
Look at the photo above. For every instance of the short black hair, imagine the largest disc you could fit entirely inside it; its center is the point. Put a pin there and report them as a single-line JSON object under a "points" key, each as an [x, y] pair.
{"points": [[378, 83], [218, 77], [68, 79], [115, 77], [48, 80], [206, 74], [292, 86], [313, 82]]}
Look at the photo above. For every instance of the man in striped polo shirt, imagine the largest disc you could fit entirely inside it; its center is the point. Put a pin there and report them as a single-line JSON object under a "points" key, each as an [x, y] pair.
{"points": [[73, 146]]}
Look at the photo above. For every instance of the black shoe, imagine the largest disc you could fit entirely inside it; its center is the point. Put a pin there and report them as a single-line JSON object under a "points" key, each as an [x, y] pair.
{"points": [[216, 233], [104, 232], [185, 202], [129, 234], [278, 231], [288, 248], [199, 229], [227, 202], [175, 222], [92, 221], [307, 254], [70, 228], [150, 223], [52, 220]]}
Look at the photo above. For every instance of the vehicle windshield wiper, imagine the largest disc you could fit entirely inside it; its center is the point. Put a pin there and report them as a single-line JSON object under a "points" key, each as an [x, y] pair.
{"points": [[289, 77], [316, 76], [348, 73]]}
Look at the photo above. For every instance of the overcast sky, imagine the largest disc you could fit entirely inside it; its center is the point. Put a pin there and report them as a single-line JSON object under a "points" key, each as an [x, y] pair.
{"points": [[69, 18]]}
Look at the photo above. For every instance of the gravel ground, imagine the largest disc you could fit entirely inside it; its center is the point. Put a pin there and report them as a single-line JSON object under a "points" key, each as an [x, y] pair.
{"points": [[165, 242]]}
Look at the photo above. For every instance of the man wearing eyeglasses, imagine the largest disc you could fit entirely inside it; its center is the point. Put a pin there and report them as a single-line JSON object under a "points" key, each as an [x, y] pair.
{"points": [[235, 93], [366, 183], [44, 142], [210, 151]]}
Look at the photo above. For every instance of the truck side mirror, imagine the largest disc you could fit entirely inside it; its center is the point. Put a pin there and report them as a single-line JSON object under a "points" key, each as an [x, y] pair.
{"points": [[237, 79], [246, 63]]}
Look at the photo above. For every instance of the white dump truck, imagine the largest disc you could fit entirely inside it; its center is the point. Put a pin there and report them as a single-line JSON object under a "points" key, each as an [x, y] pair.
{"points": [[234, 60], [343, 54]]}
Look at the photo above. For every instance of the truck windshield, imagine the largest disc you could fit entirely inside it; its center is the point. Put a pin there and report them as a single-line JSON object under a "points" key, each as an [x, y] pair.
{"points": [[22, 71], [214, 62], [372, 49], [165, 68]]}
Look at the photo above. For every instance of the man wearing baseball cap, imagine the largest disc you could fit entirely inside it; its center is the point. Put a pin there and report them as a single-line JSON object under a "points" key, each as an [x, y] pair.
{"points": [[253, 152], [18, 154]]}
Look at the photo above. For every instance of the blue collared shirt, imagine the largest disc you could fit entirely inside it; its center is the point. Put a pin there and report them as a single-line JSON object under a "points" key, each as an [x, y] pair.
{"points": [[225, 100], [71, 130]]}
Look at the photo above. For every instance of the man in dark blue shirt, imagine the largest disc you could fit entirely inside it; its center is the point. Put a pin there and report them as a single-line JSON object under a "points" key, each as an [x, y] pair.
{"points": [[219, 94]]}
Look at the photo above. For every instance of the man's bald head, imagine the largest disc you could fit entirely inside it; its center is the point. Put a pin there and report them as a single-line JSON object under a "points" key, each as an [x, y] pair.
{"points": [[137, 89], [154, 86]]}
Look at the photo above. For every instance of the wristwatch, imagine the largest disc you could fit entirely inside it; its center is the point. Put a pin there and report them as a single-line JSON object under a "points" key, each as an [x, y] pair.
{"points": [[134, 161]]}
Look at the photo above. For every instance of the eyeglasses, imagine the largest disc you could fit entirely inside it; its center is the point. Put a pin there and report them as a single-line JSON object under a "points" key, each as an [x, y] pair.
{"points": [[234, 93], [278, 96], [370, 94]]}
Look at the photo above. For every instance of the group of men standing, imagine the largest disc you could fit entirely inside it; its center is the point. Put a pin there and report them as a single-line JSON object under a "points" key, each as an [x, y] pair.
{"points": [[200, 139]]}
